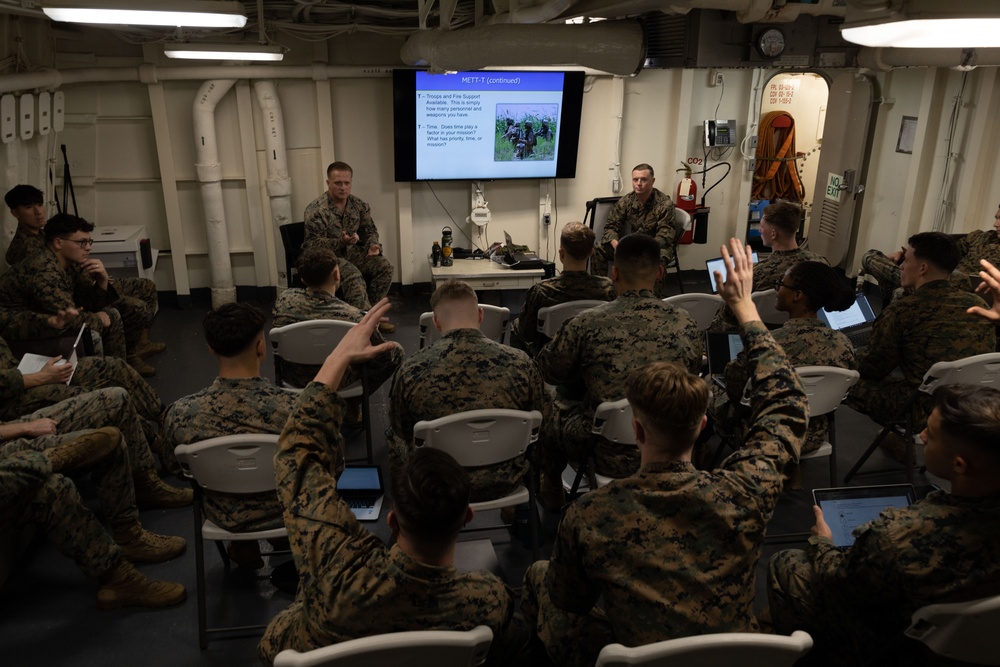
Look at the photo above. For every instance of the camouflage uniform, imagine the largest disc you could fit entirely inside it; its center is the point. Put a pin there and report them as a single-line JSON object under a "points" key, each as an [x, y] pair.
{"points": [[351, 584], [229, 407], [24, 243], [913, 333], [886, 272], [672, 550], [807, 342], [597, 350], [655, 218], [30, 494], [301, 305], [943, 548], [464, 370], [324, 225], [568, 286], [41, 285]]}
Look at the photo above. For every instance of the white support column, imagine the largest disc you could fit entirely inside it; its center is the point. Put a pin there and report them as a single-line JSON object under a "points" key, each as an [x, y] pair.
{"points": [[265, 269]]}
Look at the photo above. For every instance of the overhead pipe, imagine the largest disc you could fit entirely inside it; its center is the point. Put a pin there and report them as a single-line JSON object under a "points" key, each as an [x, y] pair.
{"points": [[533, 14], [279, 185], [883, 59], [209, 171], [747, 11]]}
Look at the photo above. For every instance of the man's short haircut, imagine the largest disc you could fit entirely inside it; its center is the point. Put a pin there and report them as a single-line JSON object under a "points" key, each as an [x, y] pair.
{"points": [[637, 257], [430, 496], [671, 401], [643, 167], [233, 327], [938, 248], [315, 265], [62, 225], [577, 239], [453, 290], [970, 415], [786, 216], [339, 166], [23, 195]]}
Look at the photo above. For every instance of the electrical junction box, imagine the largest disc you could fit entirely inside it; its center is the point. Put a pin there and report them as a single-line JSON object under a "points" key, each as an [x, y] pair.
{"points": [[720, 133]]}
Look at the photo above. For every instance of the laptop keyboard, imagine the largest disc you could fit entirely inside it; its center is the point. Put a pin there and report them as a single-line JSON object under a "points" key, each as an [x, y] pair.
{"points": [[356, 504], [859, 338]]}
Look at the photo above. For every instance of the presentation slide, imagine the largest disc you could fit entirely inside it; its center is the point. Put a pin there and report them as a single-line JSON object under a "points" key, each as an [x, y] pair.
{"points": [[499, 123]]}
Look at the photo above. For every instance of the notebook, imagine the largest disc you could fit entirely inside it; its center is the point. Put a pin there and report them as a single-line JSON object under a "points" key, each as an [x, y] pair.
{"points": [[722, 348], [719, 264], [519, 261], [32, 363], [855, 322], [848, 508], [361, 488]]}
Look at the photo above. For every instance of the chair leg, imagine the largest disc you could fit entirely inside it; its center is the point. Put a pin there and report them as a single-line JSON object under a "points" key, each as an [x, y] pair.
{"points": [[574, 490], [832, 437], [533, 516], [199, 551], [677, 265], [868, 452]]}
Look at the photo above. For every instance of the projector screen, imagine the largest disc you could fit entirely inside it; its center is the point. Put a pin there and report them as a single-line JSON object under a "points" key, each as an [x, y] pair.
{"points": [[486, 125]]}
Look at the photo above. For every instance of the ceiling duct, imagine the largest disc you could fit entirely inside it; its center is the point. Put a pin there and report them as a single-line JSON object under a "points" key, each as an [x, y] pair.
{"points": [[616, 47]]}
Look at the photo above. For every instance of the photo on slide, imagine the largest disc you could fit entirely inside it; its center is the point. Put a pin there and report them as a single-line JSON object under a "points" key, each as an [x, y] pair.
{"points": [[525, 132]]}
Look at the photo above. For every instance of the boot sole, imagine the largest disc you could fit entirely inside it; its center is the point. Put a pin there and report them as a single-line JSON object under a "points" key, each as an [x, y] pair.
{"points": [[161, 558], [104, 604]]}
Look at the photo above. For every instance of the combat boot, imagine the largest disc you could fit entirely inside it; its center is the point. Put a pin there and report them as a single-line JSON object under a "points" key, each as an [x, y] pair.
{"points": [[386, 327], [141, 546], [152, 493], [140, 366], [84, 451], [125, 586], [551, 494], [146, 347]]}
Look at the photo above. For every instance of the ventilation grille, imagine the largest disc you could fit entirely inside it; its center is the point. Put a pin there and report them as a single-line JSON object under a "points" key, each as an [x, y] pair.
{"points": [[669, 39], [828, 218]]}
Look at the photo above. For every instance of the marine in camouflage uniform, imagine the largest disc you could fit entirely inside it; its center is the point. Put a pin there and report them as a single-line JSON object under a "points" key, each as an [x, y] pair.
{"points": [[807, 342], [464, 370], [302, 305], [655, 218], [326, 225], [351, 585], [567, 286], [671, 550], [597, 350], [912, 334], [943, 548], [229, 407], [765, 273]]}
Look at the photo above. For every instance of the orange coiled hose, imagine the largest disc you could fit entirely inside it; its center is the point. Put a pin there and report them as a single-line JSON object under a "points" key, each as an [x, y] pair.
{"points": [[775, 175]]}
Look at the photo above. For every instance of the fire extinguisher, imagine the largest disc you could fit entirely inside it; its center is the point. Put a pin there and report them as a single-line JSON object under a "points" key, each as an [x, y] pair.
{"points": [[687, 191]]}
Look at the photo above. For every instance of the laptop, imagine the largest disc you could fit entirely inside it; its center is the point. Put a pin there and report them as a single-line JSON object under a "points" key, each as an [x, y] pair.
{"points": [[855, 322], [32, 363], [848, 508], [719, 264], [519, 261], [361, 488], [722, 348]]}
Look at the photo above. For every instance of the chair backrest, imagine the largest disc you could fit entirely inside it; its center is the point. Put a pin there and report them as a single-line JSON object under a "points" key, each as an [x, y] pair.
{"points": [[613, 421], [496, 323], [735, 648], [767, 305], [231, 463], [981, 369], [551, 318], [308, 342], [826, 386], [962, 631], [682, 220], [480, 437], [425, 648], [597, 215], [702, 307]]}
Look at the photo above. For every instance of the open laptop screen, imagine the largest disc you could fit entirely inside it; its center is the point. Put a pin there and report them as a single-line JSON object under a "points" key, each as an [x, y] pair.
{"points": [[859, 313], [847, 508], [719, 264]]}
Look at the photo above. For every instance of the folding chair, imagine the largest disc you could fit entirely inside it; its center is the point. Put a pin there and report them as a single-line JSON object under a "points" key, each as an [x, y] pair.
{"points": [[702, 307], [551, 318], [496, 323], [234, 464], [293, 235], [682, 221], [743, 648], [960, 631], [767, 305], [983, 369], [425, 648], [479, 438], [613, 422], [310, 343]]}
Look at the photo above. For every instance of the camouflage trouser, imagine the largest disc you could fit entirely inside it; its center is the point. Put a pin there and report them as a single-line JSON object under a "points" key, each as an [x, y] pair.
{"points": [[882, 269], [52, 502], [352, 286], [111, 476], [245, 512], [379, 370], [572, 441], [113, 337], [570, 640], [136, 317], [143, 289], [885, 399], [604, 257], [376, 271]]}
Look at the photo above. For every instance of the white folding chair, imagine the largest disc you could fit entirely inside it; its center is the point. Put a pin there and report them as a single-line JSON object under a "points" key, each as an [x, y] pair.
{"points": [[746, 649], [233, 464], [310, 343], [479, 438], [551, 318], [613, 422], [702, 307], [981, 369], [496, 323], [767, 305], [424, 648], [960, 631], [826, 387]]}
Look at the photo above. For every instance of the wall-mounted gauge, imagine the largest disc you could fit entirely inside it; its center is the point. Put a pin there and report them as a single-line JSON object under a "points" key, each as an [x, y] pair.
{"points": [[771, 43]]}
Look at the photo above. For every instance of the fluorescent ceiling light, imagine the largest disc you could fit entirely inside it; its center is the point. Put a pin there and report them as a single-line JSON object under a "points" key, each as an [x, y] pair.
{"points": [[234, 51], [914, 24], [172, 13]]}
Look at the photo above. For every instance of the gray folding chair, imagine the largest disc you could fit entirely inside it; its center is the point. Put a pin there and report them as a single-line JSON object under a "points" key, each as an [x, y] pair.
{"points": [[745, 649], [767, 305], [702, 307], [496, 323], [960, 631], [613, 422]]}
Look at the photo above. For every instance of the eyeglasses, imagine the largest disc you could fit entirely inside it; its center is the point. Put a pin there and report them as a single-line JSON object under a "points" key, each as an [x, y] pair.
{"points": [[83, 243], [778, 284]]}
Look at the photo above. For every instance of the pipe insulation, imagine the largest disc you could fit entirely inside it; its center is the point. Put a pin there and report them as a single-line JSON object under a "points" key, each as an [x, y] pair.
{"points": [[279, 185], [882, 59], [209, 171], [617, 47], [533, 14]]}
